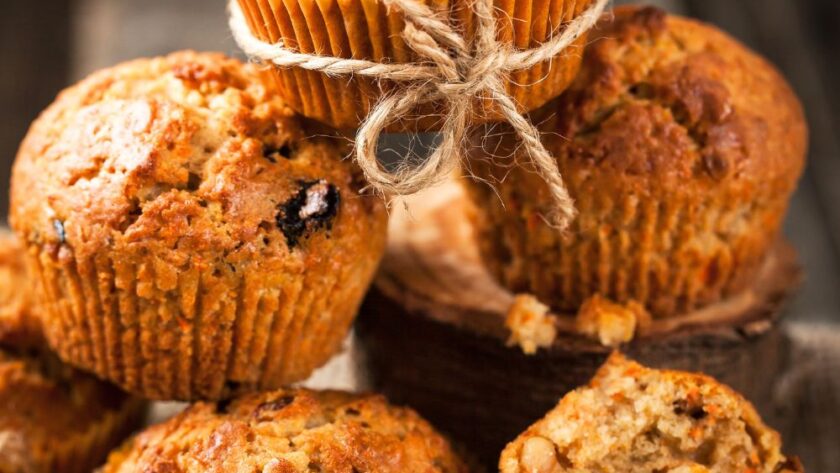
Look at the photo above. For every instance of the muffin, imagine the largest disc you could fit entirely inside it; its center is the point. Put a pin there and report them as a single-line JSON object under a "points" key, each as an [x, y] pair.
{"points": [[193, 237], [371, 30], [439, 334], [19, 323], [681, 148], [56, 419], [290, 430], [53, 419], [632, 418]]}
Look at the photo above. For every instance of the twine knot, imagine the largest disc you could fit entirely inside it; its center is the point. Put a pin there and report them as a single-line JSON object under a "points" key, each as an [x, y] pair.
{"points": [[452, 72]]}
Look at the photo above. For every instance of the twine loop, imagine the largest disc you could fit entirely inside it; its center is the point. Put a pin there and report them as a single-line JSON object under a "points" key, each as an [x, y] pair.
{"points": [[451, 71]]}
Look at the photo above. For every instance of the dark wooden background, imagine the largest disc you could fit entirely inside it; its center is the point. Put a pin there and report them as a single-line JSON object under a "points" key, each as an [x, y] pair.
{"points": [[45, 47]]}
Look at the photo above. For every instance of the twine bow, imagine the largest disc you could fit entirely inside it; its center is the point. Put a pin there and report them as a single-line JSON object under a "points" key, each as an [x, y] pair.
{"points": [[452, 72]]}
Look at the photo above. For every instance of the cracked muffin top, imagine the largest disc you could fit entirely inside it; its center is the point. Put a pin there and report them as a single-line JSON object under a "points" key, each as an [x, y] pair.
{"points": [[668, 101], [633, 418], [19, 323], [189, 153], [289, 431]]}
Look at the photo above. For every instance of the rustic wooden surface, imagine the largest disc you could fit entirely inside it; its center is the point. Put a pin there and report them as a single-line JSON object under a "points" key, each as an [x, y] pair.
{"points": [[43, 47], [433, 328]]}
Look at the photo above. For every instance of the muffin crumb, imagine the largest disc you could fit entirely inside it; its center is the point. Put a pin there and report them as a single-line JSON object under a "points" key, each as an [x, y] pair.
{"points": [[530, 324], [609, 323]]}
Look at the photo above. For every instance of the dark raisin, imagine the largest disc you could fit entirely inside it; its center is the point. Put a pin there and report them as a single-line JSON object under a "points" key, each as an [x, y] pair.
{"points": [[223, 405], [58, 225], [715, 165], [193, 181], [642, 90], [271, 153], [274, 405], [682, 407], [352, 412], [312, 208]]}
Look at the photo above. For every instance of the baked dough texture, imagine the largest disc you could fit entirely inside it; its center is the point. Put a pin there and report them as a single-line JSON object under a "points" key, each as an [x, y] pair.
{"points": [[633, 418], [192, 235], [53, 418], [290, 431], [681, 148]]}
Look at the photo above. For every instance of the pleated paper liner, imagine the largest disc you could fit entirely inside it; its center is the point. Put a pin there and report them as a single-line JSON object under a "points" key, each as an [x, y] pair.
{"points": [[89, 449], [672, 249], [217, 332], [57, 419], [434, 335], [364, 29]]}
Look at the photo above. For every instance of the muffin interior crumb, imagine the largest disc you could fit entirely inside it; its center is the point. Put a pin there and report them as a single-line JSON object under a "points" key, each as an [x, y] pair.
{"points": [[636, 419]]}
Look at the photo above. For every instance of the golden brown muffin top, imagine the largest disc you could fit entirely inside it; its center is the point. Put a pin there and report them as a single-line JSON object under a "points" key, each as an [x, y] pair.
{"points": [[183, 154], [288, 431], [633, 418], [46, 406], [667, 101], [19, 324]]}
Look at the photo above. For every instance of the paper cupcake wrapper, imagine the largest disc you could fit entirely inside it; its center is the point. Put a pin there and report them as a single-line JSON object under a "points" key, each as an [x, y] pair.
{"points": [[664, 252], [364, 29], [89, 449], [207, 337]]}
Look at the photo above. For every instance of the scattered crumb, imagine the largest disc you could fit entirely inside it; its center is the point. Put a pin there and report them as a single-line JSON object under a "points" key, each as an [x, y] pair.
{"points": [[610, 323], [531, 326]]}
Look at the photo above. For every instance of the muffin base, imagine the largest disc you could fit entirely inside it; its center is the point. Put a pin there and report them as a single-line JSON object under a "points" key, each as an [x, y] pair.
{"points": [[433, 332], [89, 449], [111, 318]]}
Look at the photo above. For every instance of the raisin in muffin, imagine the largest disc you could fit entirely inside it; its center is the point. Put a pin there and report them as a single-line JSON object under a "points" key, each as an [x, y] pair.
{"points": [[632, 418], [290, 431], [681, 148], [192, 234], [53, 419]]}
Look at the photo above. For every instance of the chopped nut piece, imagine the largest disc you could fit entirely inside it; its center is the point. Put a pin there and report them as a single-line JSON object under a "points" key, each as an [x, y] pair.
{"points": [[538, 456], [531, 326], [610, 323]]}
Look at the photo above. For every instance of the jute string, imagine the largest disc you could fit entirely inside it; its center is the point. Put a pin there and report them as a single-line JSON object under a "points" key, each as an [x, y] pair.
{"points": [[451, 72]]}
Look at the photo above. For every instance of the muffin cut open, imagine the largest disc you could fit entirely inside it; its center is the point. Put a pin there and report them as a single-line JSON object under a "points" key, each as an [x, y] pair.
{"points": [[633, 418]]}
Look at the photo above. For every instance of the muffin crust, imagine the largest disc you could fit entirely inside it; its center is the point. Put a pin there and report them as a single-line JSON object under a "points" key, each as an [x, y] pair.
{"points": [[193, 235], [289, 431], [681, 148]]}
